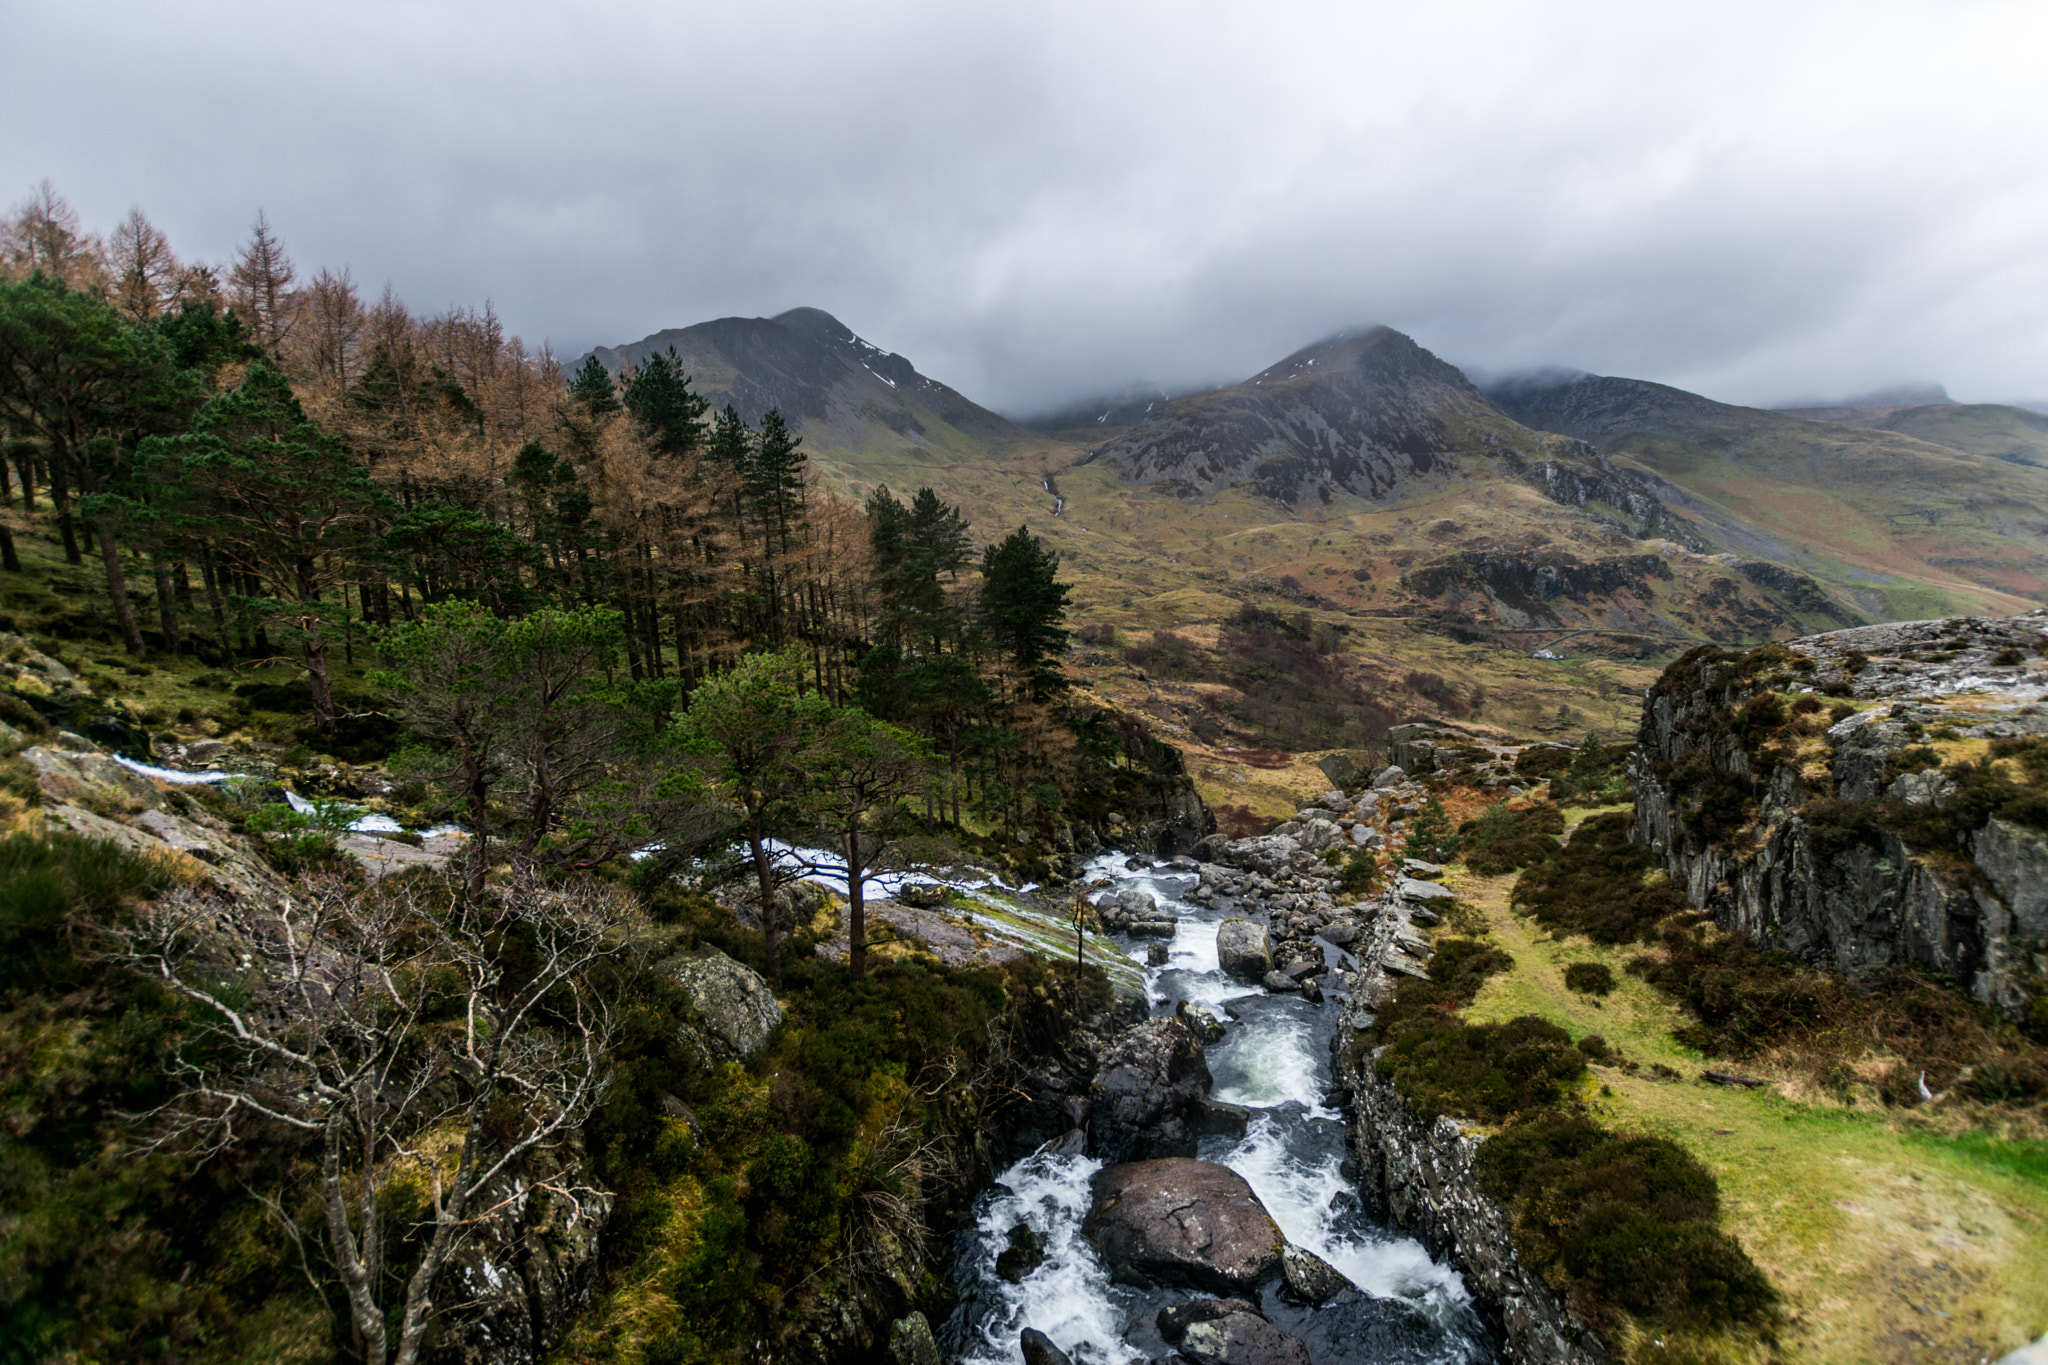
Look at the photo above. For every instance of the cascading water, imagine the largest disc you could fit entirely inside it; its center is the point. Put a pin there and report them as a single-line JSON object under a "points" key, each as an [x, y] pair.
{"points": [[1273, 1061]]}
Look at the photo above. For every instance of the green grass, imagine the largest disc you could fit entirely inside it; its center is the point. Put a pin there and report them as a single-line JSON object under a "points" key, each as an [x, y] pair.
{"points": [[1847, 1211]]}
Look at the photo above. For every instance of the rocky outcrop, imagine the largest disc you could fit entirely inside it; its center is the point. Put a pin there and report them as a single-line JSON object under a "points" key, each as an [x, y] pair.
{"points": [[1147, 1097], [526, 1265], [1419, 1176], [1522, 587], [89, 793], [735, 1009], [1804, 830], [1183, 1223]]}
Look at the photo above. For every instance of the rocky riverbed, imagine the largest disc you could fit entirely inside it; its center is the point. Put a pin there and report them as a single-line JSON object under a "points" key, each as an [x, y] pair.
{"points": [[1201, 1202]]}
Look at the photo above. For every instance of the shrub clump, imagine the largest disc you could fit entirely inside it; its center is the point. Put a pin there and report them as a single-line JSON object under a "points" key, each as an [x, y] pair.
{"points": [[1589, 978], [1481, 1071], [1625, 1221], [1499, 840], [1599, 885]]}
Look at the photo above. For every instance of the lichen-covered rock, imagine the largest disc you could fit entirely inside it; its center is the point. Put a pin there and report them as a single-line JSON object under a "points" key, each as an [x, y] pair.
{"points": [[527, 1263], [911, 1341], [1855, 896], [1146, 1101], [1240, 1338], [1309, 1277], [1180, 1222], [1270, 854], [1244, 950], [734, 1005]]}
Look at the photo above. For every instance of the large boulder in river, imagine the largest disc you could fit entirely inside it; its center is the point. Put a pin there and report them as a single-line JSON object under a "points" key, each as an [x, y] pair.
{"points": [[1271, 854], [733, 1003], [1244, 950], [1238, 1337], [1183, 1223], [1147, 1098]]}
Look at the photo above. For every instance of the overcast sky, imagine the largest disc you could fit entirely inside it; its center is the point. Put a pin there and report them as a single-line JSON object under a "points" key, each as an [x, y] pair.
{"points": [[1043, 202]]}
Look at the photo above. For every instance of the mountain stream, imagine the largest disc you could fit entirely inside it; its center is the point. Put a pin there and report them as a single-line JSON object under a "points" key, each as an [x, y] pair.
{"points": [[1274, 1061]]}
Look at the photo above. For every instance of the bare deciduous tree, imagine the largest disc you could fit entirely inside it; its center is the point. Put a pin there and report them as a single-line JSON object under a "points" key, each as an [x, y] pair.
{"points": [[147, 277], [261, 282], [387, 1022]]}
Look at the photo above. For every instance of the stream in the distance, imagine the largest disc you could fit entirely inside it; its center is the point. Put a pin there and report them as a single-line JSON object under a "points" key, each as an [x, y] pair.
{"points": [[1275, 1060]]}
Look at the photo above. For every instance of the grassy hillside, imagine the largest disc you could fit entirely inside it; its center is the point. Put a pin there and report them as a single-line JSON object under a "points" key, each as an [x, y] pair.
{"points": [[2014, 435], [1894, 1235]]}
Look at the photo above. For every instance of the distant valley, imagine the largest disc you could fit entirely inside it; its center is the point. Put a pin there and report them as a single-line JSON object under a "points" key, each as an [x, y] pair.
{"points": [[1443, 538]]}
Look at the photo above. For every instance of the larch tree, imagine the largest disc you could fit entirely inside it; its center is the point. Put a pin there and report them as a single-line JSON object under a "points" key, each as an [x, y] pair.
{"points": [[261, 286]]}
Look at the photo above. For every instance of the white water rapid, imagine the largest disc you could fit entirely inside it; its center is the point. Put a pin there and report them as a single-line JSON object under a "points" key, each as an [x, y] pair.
{"points": [[1274, 1060]]}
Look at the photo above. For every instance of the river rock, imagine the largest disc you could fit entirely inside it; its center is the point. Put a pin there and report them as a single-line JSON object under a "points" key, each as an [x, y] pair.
{"points": [[1244, 950], [1174, 1320], [1147, 1096], [1309, 1277], [922, 895], [1180, 1222], [1204, 1025], [737, 1009], [911, 1342], [1240, 1338], [1022, 1256], [1279, 981], [1039, 1350]]}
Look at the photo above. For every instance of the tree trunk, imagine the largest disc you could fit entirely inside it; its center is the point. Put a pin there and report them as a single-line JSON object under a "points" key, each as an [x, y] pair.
{"points": [[856, 903], [9, 559], [167, 608], [117, 588], [765, 870], [364, 1315], [316, 679]]}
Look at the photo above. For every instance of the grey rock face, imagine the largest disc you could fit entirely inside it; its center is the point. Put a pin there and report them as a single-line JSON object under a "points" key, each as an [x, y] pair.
{"points": [[1181, 1222], [1147, 1097], [1867, 904], [1341, 768], [1278, 982], [1420, 1177], [922, 895], [1174, 1320], [737, 1008], [1270, 854], [1244, 950], [1309, 1277]]}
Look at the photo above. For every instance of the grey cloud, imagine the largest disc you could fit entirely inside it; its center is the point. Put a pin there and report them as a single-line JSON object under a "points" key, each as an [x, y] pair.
{"points": [[1044, 202]]}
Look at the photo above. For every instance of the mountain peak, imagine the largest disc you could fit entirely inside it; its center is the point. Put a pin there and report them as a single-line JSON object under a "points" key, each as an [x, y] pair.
{"points": [[1362, 412]]}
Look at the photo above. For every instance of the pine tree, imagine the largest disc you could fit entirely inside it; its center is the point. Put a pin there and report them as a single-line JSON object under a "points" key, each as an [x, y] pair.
{"points": [[1022, 605], [775, 476], [1431, 837], [591, 386], [669, 412]]}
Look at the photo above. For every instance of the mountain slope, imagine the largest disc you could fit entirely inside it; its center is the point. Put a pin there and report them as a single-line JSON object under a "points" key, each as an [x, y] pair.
{"points": [[842, 392], [1907, 527], [2003, 432], [1365, 414]]}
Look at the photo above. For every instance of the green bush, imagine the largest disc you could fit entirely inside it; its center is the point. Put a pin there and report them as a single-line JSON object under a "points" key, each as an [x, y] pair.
{"points": [[1499, 840], [1589, 978], [1599, 885], [1361, 874], [1431, 837], [1481, 1071], [1627, 1221]]}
